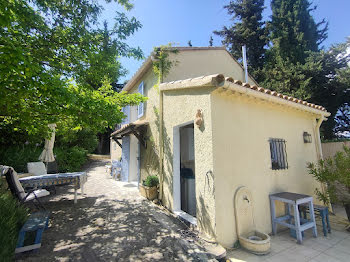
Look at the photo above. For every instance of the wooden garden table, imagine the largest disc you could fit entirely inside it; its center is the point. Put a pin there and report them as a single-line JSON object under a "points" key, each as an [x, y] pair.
{"points": [[293, 200]]}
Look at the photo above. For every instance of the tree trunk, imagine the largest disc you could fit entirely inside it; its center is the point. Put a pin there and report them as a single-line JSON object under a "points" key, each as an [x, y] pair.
{"points": [[347, 210], [103, 143]]}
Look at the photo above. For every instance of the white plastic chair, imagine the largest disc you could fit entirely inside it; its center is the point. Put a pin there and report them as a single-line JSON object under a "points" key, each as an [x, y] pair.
{"points": [[36, 168]]}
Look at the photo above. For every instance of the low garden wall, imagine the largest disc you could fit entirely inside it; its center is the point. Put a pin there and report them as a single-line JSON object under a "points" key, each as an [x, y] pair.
{"points": [[330, 148]]}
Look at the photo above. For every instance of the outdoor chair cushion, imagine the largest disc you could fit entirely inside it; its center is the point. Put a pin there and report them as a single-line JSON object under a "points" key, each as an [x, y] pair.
{"points": [[20, 190], [36, 168], [17, 188], [38, 193]]}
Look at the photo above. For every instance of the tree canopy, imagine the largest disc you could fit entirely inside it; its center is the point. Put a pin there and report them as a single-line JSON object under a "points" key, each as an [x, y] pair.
{"points": [[248, 29], [293, 31], [58, 63]]}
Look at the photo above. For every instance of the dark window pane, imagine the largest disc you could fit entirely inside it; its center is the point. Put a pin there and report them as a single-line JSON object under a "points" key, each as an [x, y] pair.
{"points": [[278, 154]]}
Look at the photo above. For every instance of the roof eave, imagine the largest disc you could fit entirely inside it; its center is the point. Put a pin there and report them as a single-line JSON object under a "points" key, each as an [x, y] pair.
{"points": [[276, 99], [219, 81], [138, 75]]}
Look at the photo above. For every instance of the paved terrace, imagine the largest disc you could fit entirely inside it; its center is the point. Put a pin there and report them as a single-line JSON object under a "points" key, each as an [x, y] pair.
{"points": [[333, 248], [112, 222]]}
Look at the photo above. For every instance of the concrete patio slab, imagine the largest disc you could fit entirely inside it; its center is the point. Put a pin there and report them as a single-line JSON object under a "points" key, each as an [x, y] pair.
{"points": [[335, 247]]}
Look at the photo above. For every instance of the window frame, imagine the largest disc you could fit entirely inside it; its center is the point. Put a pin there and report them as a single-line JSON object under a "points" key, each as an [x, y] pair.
{"points": [[278, 154]]}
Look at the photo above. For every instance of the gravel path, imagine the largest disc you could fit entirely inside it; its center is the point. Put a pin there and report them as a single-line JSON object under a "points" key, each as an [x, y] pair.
{"points": [[111, 222]]}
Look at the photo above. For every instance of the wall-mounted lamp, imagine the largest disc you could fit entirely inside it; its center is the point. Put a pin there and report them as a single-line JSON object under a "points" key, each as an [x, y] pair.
{"points": [[307, 137]]}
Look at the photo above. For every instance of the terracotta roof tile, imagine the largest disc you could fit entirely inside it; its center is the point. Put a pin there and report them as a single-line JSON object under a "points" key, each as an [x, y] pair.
{"points": [[219, 80], [229, 79]]}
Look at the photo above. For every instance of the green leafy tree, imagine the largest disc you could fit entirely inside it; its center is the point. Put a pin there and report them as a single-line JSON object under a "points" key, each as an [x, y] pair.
{"points": [[295, 64], [248, 29], [342, 119], [294, 31], [334, 173], [323, 79], [294, 36], [329, 76], [298, 67], [57, 64]]}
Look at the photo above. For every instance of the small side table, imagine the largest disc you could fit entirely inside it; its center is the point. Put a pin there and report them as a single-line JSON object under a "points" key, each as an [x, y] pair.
{"points": [[293, 200]]}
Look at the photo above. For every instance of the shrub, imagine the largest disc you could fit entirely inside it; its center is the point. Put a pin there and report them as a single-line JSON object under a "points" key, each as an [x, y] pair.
{"points": [[12, 218], [151, 181], [18, 156], [70, 159], [335, 174], [85, 138]]}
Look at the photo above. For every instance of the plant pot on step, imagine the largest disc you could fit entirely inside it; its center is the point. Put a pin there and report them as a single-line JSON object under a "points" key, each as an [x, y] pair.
{"points": [[149, 192]]}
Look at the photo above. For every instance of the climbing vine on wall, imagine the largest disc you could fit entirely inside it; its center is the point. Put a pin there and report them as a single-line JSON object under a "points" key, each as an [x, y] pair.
{"points": [[161, 62]]}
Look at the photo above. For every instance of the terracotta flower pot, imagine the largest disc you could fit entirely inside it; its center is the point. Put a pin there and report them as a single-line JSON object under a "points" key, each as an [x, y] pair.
{"points": [[149, 192]]}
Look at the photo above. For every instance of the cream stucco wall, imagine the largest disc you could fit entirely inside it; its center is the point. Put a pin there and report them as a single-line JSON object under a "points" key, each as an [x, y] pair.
{"points": [[149, 155], [180, 107], [231, 149], [194, 63], [190, 63], [116, 151], [241, 130]]}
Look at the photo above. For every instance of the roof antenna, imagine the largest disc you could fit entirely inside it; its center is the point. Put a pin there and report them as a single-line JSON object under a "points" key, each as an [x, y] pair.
{"points": [[245, 65]]}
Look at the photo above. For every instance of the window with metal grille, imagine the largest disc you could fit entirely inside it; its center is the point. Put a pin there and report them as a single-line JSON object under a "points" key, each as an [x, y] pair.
{"points": [[278, 153]]}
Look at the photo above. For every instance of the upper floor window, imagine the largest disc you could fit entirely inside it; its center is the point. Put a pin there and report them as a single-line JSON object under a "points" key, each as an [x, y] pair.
{"points": [[278, 153], [140, 107]]}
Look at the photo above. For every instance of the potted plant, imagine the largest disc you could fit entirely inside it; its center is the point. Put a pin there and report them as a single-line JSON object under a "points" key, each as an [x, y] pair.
{"points": [[149, 187], [334, 173]]}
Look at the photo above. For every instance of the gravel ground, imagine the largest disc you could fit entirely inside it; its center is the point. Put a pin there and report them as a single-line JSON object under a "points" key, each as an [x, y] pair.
{"points": [[111, 222]]}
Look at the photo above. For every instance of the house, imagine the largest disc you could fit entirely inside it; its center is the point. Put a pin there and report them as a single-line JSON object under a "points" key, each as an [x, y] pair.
{"points": [[206, 133]]}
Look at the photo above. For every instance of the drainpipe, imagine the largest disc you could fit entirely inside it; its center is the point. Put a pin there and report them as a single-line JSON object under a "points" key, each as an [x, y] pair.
{"points": [[319, 150], [318, 138], [161, 145], [245, 64], [161, 142]]}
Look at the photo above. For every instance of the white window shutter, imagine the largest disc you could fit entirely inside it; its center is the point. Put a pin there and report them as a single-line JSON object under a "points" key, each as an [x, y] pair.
{"points": [[140, 107]]}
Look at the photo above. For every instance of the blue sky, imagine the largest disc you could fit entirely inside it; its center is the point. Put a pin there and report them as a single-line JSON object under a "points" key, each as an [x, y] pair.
{"points": [[178, 21]]}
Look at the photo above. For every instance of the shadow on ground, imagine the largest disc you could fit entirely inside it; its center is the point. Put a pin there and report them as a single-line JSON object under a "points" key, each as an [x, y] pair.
{"points": [[106, 228]]}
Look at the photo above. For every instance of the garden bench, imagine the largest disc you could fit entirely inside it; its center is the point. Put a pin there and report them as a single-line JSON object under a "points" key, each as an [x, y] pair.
{"points": [[36, 222]]}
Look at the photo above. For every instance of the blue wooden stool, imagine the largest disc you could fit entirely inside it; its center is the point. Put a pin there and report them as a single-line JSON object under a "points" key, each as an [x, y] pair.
{"points": [[324, 214], [36, 222]]}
